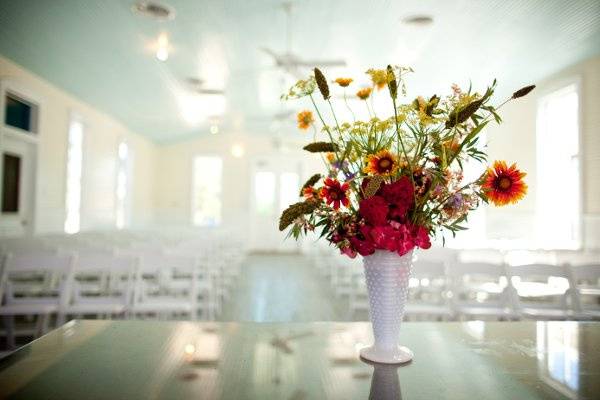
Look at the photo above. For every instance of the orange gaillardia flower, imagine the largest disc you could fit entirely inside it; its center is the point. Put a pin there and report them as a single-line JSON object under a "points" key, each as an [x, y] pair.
{"points": [[504, 185], [344, 82], [364, 94], [305, 119], [383, 163], [330, 157]]}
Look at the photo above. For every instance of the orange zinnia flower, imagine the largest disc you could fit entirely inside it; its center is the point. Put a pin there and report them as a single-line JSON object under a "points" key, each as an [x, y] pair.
{"points": [[364, 94], [305, 119], [383, 163], [310, 193], [504, 185], [334, 193], [344, 82]]}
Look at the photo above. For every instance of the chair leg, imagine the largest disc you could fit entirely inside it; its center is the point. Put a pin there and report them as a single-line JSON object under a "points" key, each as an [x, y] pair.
{"points": [[45, 323], [9, 323]]}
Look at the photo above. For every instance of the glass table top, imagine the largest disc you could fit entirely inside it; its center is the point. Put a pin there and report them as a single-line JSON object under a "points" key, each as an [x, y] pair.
{"points": [[296, 361]]}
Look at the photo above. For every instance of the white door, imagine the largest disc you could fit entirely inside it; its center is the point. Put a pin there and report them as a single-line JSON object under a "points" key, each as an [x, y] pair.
{"points": [[275, 185], [17, 186]]}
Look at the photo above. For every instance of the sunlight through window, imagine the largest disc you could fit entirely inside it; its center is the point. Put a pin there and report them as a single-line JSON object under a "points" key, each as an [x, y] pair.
{"points": [[73, 184], [206, 191], [122, 187], [558, 181]]}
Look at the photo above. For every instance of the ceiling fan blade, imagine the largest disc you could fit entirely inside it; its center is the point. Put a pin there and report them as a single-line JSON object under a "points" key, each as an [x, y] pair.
{"points": [[210, 91], [322, 63], [270, 52]]}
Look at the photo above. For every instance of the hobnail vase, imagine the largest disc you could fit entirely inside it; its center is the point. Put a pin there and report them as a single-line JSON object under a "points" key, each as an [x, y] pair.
{"points": [[387, 275]]}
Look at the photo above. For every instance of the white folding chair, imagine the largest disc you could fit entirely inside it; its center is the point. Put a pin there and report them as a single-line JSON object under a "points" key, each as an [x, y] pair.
{"points": [[101, 284], [166, 286], [428, 292], [48, 273], [542, 291], [586, 290], [480, 290]]}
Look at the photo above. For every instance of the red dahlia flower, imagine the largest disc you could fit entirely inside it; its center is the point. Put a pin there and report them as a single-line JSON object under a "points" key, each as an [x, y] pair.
{"points": [[374, 210], [400, 195], [335, 193], [421, 237]]}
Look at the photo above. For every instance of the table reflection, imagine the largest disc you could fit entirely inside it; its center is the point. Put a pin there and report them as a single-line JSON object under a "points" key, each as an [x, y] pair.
{"points": [[141, 360], [385, 383], [558, 356]]}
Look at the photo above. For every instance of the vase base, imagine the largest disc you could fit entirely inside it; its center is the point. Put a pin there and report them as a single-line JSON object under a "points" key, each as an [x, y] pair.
{"points": [[399, 355]]}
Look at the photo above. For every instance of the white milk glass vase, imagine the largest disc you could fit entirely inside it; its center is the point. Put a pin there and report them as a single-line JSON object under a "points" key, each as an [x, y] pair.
{"points": [[387, 276]]}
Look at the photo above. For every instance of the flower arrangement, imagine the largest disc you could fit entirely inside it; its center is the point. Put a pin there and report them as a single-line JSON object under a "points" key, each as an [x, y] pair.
{"points": [[393, 183]]}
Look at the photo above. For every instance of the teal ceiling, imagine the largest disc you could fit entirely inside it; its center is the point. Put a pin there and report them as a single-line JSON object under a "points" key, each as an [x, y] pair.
{"points": [[101, 52]]}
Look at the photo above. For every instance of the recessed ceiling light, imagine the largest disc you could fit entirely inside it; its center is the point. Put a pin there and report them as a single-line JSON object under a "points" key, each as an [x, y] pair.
{"points": [[237, 150], [153, 10], [418, 20]]}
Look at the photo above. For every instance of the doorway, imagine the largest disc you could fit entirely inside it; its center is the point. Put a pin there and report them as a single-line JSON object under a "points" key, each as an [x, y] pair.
{"points": [[17, 186], [275, 185]]}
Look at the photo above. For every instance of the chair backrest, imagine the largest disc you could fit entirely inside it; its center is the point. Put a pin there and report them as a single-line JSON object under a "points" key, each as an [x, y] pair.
{"points": [[99, 275], [587, 272], [476, 269], [538, 271], [428, 269], [479, 283], [166, 273], [536, 286], [36, 272], [38, 262]]}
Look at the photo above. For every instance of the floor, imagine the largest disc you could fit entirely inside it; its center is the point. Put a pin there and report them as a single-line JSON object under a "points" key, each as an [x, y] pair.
{"points": [[282, 288]]}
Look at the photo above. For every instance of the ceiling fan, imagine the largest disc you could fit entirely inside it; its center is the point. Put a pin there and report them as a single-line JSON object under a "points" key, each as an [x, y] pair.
{"points": [[290, 62], [197, 85]]}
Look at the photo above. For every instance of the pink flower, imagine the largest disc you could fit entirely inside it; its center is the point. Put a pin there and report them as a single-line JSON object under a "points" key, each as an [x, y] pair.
{"points": [[374, 210], [348, 251], [421, 237]]}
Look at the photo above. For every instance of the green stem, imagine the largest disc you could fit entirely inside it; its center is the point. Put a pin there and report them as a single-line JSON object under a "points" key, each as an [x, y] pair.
{"points": [[410, 165], [368, 109], [348, 106]]}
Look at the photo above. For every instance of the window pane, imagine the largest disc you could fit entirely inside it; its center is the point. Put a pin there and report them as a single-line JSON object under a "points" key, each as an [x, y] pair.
{"points": [[74, 166], [264, 192], [11, 178], [122, 185], [206, 191], [558, 164], [17, 113], [289, 182]]}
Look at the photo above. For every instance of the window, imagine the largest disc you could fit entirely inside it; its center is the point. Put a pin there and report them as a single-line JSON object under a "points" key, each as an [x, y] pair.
{"points": [[264, 192], [289, 182], [123, 185], [74, 167], [206, 191], [558, 183], [11, 179], [19, 113]]}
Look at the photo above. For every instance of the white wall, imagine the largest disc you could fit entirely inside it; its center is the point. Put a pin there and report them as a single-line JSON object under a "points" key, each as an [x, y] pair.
{"points": [[515, 140], [101, 136], [174, 174]]}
